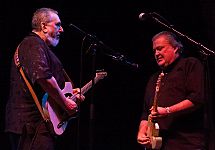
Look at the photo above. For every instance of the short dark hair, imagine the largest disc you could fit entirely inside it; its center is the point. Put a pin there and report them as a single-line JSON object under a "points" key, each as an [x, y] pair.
{"points": [[172, 38], [41, 15]]}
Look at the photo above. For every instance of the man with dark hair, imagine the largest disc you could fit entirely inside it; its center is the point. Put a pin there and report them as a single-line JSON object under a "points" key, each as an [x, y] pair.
{"points": [[177, 117]]}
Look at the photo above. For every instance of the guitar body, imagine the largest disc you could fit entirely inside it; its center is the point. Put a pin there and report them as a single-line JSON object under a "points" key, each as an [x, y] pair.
{"points": [[153, 134], [57, 115]]}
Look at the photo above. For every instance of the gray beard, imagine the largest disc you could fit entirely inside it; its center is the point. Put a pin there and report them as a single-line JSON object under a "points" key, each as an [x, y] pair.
{"points": [[53, 41]]}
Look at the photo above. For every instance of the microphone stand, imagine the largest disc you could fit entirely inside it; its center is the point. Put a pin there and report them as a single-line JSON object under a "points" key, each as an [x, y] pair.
{"points": [[203, 49], [116, 56], [95, 43], [92, 111]]}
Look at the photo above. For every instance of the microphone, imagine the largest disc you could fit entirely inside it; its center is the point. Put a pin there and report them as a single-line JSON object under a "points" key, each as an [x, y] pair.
{"points": [[121, 58], [143, 16], [155, 16], [77, 28], [81, 31], [89, 36], [133, 65]]}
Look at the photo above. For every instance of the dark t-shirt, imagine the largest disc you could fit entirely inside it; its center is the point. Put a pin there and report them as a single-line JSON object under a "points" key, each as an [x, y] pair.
{"points": [[184, 79], [38, 62]]}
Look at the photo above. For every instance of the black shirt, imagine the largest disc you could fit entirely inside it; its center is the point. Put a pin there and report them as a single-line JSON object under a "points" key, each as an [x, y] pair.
{"points": [[183, 79], [38, 62]]}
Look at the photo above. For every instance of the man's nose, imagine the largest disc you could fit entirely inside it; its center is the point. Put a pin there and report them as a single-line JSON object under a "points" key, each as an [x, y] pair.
{"points": [[61, 29]]}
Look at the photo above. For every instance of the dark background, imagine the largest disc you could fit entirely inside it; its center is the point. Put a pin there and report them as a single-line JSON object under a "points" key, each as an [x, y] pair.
{"points": [[118, 98]]}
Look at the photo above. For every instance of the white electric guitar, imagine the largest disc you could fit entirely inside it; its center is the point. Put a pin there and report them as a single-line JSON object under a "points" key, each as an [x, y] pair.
{"points": [[57, 115], [153, 127]]}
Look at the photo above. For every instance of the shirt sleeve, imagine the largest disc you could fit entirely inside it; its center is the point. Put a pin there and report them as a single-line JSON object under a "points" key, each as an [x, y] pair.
{"points": [[195, 80]]}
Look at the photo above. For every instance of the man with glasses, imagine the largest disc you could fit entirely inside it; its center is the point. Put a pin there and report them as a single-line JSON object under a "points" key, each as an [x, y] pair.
{"points": [[24, 123]]}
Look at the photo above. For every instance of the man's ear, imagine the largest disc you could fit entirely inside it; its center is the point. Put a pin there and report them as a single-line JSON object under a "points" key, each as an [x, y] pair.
{"points": [[43, 27]]}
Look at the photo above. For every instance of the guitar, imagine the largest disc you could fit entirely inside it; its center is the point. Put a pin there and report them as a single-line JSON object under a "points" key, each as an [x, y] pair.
{"points": [[57, 116], [153, 127]]}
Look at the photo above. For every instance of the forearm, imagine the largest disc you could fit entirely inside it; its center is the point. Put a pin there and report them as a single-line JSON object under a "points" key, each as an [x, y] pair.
{"points": [[142, 137], [181, 106], [143, 126], [53, 90]]}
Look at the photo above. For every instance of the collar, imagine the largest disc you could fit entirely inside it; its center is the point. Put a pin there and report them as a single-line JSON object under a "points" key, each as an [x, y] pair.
{"points": [[172, 65]]}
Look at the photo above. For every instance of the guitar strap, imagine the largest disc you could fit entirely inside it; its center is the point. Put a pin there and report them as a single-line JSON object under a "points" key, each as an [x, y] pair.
{"points": [[21, 70]]}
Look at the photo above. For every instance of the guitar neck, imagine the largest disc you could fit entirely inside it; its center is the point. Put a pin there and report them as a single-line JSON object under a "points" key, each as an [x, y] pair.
{"points": [[157, 89], [155, 103], [87, 86]]}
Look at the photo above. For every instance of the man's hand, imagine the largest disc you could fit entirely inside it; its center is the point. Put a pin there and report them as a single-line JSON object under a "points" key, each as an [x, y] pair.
{"points": [[79, 97], [71, 106], [142, 137], [161, 112]]}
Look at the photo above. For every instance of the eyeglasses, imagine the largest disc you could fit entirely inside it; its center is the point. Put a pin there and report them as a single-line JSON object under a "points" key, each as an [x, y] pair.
{"points": [[57, 25]]}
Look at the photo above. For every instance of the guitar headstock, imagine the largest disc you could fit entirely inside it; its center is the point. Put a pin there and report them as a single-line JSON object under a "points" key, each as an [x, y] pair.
{"points": [[101, 74], [161, 75]]}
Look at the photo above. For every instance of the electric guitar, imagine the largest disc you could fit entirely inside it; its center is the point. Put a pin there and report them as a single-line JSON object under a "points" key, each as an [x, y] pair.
{"points": [[57, 115], [153, 127]]}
